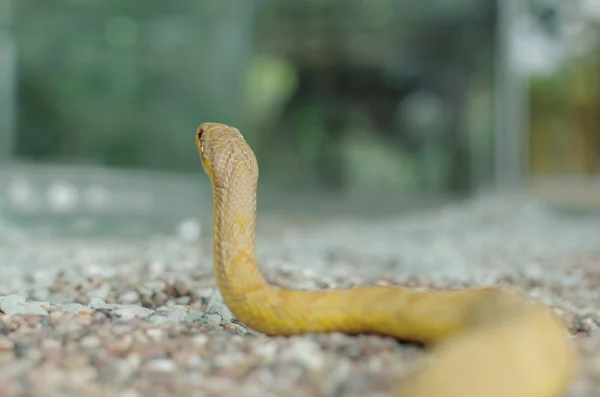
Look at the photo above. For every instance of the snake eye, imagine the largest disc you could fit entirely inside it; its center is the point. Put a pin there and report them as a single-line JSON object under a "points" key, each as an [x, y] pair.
{"points": [[200, 132]]}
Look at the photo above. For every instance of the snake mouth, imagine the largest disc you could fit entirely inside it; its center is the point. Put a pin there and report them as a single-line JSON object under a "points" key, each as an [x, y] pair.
{"points": [[199, 143]]}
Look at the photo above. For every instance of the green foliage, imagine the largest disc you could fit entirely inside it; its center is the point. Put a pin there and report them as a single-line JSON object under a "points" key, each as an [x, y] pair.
{"points": [[110, 82]]}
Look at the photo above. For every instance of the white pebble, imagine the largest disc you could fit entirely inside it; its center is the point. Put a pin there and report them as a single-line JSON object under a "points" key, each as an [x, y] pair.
{"points": [[306, 353], [161, 365], [16, 305], [127, 312], [266, 350], [189, 230], [62, 196], [176, 315], [222, 310], [129, 393], [200, 340], [90, 342], [213, 318], [154, 334], [129, 297]]}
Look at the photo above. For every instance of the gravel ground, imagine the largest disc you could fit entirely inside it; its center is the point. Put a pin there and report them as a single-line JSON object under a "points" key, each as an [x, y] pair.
{"points": [[131, 318]]}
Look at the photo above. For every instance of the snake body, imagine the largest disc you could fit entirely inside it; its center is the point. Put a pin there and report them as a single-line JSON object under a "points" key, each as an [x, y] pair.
{"points": [[487, 342]]}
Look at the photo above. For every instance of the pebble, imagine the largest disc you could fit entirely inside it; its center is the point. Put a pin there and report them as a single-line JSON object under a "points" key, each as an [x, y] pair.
{"points": [[129, 393], [267, 350], [100, 292], [193, 317], [129, 297], [161, 365], [56, 299], [159, 319], [177, 315], [306, 353], [183, 300], [74, 308], [240, 330], [155, 334], [17, 305], [127, 312], [200, 340], [90, 342], [214, 318], [123, 369], [98, 303], [7, 350], [222, 310]]}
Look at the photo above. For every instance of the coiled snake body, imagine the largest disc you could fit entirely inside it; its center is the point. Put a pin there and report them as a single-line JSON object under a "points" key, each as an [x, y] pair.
{"points": [[487, 342]]}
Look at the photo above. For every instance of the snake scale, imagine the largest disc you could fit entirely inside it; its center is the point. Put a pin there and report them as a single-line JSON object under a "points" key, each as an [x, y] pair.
{"points": [[485, 342]]}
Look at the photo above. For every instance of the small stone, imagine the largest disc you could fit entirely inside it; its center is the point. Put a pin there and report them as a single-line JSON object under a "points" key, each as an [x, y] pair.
{"points": [[129, 297], [50, 344], [122, 343], [160, 298], [266, 350], [56, 298], [7, 350], [75, 362], [74, 308], [157, 267], [183, 300], [161, 365], [39, 294], [214, 298], [129, 393], [29, 352], [128, 312], [11, 299], [222, 310], [99, 270], [240, 330], [124, 369], [182, 288], [154, 334], [189, 230], [352, 351], [306, 353], [200, 340], [101, 292], [205, 293], [305, 285], [144, 290], [177, 315], [97, 303], [15, 370], [90, 342], [159, 319], [213, 318], [193, 316], [16, 305]]}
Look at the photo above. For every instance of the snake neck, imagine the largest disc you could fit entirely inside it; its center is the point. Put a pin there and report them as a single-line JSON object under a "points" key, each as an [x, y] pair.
{"points": [[234, 231]]}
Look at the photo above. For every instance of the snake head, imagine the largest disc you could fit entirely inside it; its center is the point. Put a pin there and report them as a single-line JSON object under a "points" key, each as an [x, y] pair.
{"points": [[223, 150]]}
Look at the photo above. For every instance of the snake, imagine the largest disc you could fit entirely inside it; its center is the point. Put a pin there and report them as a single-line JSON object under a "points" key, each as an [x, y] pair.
{"points": [[487, 341]]}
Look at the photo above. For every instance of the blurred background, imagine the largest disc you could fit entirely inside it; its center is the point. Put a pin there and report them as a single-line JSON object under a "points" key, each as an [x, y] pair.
{"points": [[355, 107]]}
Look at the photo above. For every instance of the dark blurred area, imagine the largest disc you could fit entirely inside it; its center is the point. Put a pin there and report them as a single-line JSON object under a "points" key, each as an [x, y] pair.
{"points": [[380, 104]]}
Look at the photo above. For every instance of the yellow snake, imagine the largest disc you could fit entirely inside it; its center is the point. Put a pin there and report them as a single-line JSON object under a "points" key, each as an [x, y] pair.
{"points": [[487, 342]]}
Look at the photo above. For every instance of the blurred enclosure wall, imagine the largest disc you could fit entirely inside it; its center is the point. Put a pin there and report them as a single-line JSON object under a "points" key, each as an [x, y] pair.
{"points": [[435, 96]]}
